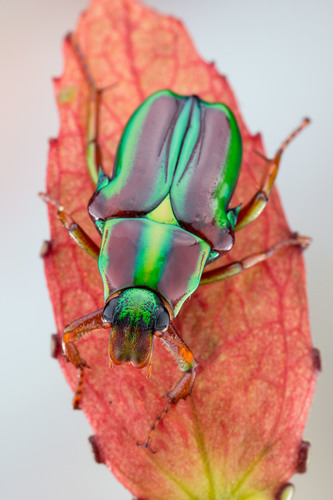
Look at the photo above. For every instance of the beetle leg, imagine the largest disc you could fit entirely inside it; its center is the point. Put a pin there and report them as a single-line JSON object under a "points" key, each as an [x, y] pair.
{"points": [[74, 230], [183, 388], [93, 154], [224, 272], [256, 205], [72, 333]]}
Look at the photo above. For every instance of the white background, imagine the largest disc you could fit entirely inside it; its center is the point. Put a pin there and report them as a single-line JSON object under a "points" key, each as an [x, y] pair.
{"points": [[278, 58]]}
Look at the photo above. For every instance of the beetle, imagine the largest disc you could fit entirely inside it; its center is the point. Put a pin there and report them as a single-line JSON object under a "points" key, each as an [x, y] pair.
{"points": [[163, 216]]}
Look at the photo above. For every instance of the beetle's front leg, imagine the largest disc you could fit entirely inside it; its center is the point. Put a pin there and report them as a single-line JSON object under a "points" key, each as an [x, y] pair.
{"points": [[72, 333], [257, 204], [183, 388]]}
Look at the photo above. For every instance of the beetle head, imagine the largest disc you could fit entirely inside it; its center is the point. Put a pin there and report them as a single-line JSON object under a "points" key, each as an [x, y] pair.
{"points": [[135, 315]]}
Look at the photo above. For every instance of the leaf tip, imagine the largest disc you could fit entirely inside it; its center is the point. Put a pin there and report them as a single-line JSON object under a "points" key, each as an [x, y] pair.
{"points": [[68, 39], [45, 249], [96, 450], [302, 458], [55, 346], [316, 359], [53, 142]]}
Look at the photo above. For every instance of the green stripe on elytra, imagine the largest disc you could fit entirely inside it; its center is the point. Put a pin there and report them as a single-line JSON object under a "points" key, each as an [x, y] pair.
{"points": [[131, 137], [128, 147], [229, 174], [178, 134], [192, 133]]}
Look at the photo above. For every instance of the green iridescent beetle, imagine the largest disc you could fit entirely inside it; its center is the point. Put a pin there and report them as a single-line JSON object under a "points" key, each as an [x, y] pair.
{"points": [[162, 217]]}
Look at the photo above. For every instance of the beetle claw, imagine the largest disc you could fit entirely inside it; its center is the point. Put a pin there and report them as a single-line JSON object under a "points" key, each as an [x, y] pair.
{"points": [[147, 446], [303, 241], [76, 405]]}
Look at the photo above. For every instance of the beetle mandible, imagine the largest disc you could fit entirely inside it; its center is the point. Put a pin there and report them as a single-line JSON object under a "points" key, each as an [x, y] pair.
{"points": [[162, 216]]}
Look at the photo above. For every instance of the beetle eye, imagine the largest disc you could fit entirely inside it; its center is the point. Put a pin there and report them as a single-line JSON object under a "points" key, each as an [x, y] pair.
{"points": [[109, 310], [162, 319]]}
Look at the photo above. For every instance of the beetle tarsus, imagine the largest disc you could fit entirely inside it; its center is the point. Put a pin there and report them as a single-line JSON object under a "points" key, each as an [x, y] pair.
{"points": [[249, 261], [249, 212], [78, 392], [147, 446], [303, 241], [146, 443], [292, 136]]}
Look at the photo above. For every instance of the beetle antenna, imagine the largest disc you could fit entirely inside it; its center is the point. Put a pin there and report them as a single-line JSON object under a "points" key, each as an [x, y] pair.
{"points": [[157, 420]]}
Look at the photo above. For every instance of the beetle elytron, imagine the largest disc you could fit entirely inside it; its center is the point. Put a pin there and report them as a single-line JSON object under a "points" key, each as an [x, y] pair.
{"points": [[162, 216]]}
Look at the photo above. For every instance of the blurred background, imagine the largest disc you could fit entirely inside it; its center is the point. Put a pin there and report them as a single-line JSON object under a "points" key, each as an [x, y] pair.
{"points": [[278, 59]]}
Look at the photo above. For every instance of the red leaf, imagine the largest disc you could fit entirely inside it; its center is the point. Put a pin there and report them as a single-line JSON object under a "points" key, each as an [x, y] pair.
{"points": [[239, 434]]}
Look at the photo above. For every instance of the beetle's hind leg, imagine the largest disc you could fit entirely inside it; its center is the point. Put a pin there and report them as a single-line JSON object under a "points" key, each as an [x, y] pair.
{"points": [[74, 230], [256, 205], [93, 153], [224, 272], [183, 388], [72, 333]]}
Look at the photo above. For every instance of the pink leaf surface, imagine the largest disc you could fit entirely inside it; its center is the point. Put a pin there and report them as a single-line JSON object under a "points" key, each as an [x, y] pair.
{"points": [[238, 436]]}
